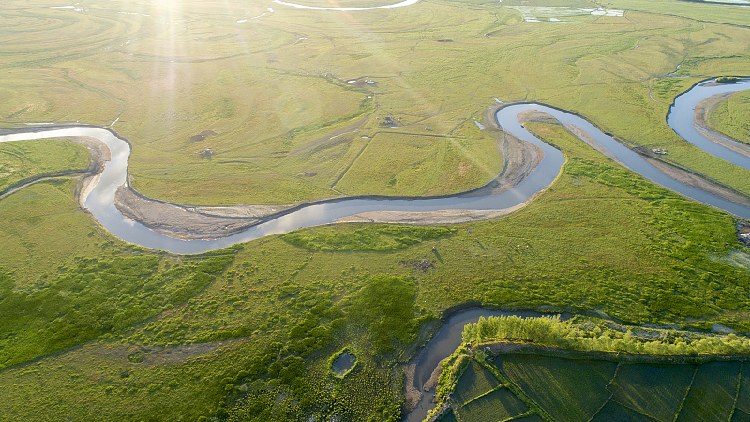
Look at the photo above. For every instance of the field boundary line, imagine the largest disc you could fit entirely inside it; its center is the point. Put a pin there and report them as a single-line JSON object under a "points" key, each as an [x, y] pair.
{"points": [[602, 407], [687, 392], [517, 391], [737, 393], [486, 393]]}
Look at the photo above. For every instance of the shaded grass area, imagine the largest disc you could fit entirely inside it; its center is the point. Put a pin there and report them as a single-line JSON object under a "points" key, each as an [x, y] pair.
{"points": [[730, 117], [653, 390], [614, 411], [20, 161], [474, 382], [570, 390], [499, 405], [743, 399], [586, 388], [713, 392]]}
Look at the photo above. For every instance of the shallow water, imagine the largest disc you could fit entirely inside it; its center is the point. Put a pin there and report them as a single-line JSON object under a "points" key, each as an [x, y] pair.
{"points": [[343, 363]]}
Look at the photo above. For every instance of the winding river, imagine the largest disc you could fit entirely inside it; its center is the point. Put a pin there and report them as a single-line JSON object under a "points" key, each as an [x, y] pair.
{"points": [[100, 199]]}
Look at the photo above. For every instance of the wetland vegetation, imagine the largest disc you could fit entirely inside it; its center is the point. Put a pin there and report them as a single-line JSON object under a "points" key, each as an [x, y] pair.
{"points": [[291, 102]]}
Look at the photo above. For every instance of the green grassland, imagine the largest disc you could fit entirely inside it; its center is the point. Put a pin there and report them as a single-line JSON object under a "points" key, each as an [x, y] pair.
{"points": [[498, 405], [102, 330], [730, 117], [655, 391], [301, 296], [712, 393], [476, 381], [275, 89], [23, 161]]}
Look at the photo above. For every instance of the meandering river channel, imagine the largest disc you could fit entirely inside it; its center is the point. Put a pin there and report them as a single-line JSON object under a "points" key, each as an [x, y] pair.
{"points": [[99, 200]]}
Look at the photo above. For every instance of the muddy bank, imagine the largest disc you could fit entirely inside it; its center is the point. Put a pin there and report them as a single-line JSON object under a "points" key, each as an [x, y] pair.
{"points": [[702, 121], [430, 217], [99, 155], [176, 221]]}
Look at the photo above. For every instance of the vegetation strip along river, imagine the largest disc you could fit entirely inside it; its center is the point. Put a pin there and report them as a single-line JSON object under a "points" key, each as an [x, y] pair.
{"points": [[99, 200]]}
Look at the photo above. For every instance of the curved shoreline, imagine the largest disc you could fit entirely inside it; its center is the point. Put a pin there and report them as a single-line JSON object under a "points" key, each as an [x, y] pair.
{"points": [[495, 199]]}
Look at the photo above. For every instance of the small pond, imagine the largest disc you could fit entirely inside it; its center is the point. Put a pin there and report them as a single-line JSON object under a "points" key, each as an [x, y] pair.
{"points": [[343, 364]]}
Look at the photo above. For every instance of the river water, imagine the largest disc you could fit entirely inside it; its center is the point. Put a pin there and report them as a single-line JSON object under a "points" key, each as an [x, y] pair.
{"points": [[100, 199]]}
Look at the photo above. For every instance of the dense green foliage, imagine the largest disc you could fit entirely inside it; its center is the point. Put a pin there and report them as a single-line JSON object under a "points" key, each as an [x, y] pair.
{"points": [[385, 305], [93, 298], [376, 237], [551, 331]]}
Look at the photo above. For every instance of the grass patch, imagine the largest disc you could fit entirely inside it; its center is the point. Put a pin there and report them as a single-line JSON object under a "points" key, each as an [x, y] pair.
{"points": [[743, 397], [474, 382], [614, 411], [730, 117], [569, 390], [22, 161], [375, 237]]}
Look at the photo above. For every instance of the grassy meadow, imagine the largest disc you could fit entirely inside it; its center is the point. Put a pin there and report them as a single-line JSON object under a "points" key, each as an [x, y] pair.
{"points": [[252, 338], [23, 161], [294, 104], [289, 94], [730, 117]]}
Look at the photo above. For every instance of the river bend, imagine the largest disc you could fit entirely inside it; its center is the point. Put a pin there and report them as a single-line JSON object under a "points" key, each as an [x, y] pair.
{"points": [[100, 199]]}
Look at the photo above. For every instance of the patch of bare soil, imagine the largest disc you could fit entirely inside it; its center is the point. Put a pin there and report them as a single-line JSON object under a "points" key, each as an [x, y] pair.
{"points": [[201, 136], [421, 265], [701, 118], [179, 222]]}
